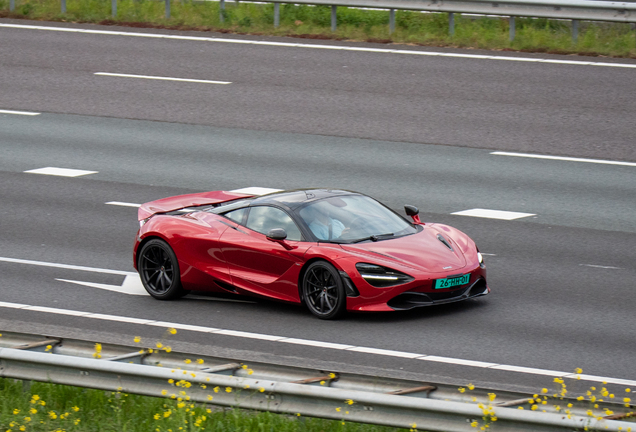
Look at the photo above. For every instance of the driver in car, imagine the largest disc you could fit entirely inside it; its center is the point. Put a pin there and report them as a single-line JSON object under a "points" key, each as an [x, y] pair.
{"points": [[324, 226]]}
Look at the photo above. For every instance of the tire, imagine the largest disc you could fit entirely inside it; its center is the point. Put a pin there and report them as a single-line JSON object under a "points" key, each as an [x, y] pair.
{"points": [[159, 270], [323, 291]]}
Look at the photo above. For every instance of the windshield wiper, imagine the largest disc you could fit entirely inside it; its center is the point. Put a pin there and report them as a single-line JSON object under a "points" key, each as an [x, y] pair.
{"points": [[373, 238]]}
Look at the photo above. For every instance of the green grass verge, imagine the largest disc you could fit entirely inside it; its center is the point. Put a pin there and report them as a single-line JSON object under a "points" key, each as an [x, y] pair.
{"points": [[35, 406], [536, 35]]}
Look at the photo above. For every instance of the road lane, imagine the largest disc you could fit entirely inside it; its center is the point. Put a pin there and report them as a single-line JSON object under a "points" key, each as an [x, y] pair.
{"points": [[437, 179], [515, 106]]}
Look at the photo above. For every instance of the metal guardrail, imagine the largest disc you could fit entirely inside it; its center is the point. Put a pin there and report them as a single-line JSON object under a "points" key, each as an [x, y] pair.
{"points": [[575, 10], [281, 389]]}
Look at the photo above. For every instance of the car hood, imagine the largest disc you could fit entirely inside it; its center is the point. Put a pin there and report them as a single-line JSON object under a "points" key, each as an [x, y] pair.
{"points": [[422, 251]]}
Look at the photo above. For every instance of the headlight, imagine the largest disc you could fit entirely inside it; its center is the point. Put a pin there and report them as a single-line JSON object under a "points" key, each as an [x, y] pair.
{"points": [[480, 257], [381, 277]]}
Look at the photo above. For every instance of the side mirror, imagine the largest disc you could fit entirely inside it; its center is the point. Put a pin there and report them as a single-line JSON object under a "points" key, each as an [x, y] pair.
{"points": [[277, 234], [411, 210]]}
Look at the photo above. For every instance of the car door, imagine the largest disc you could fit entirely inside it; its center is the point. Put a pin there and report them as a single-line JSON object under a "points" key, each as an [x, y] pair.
{"points": [[260, 265]]}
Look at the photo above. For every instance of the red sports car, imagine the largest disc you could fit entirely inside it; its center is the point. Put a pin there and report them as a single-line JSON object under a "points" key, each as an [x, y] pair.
{"points": [[332, 250]]}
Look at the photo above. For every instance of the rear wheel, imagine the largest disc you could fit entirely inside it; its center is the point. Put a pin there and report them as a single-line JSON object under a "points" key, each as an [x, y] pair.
{"points": [[159, 270], [323, 291]]}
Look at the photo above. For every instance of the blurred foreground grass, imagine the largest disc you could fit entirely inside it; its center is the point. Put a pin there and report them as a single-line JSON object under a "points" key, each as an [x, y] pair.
{"points": [[35, 406]]}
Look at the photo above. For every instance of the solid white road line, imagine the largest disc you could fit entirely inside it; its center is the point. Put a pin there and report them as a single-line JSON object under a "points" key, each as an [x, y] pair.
{"points": [[62, 172], [26, 113], [493, 214], [160, 78], [133, 279], [318, 344], [564, 158], [315, 46]]}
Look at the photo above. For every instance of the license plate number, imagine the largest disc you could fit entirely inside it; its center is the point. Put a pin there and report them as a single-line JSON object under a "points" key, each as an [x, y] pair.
{"points": [[452, 282]]}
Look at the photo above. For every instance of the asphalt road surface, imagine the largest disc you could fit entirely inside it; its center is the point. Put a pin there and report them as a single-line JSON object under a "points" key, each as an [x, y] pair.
{"points": [[405, 129]]}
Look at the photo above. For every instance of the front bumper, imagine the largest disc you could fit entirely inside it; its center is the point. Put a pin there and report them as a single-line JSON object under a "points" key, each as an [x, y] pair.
{"points": [[409, 300]]}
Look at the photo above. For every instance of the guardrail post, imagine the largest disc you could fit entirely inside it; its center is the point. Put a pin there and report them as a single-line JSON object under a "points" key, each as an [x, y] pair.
{"points": [[391, 21], [221, 10], [451, 23], [63, 6], [167, 9], [575, 30], [11, 5], [276, 14], [512, 28], [113, 8], [333, 18]]}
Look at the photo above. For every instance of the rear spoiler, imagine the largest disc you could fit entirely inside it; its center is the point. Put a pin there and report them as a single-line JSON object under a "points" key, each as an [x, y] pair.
{"points": [[190, 200]]}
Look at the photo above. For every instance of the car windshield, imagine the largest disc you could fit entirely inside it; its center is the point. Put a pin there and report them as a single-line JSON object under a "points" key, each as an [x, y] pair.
{"points": [[353, 218]]}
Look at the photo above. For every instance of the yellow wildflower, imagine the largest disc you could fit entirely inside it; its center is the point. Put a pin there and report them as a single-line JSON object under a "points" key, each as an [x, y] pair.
{"points": [[172, 331]]}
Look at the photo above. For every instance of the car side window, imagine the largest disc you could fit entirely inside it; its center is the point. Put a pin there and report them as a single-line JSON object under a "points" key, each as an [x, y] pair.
{"points": [[263, 219], [237, 215]]}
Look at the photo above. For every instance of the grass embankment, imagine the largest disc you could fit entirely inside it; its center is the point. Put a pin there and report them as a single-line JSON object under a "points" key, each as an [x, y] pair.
{"points": [[44, 407], [536, 35]]}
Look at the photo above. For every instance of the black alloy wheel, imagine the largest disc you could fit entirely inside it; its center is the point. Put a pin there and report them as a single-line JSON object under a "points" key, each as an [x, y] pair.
{"points": [[159, 270], [323, 291]]}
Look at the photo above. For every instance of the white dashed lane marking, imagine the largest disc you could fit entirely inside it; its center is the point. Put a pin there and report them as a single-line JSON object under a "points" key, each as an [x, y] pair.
{"points": [[63, 172], [564, 158], [248, 191], [493, 214], [255, 190], [123, 204], [601, 266], [25, 113], [118, 75]]}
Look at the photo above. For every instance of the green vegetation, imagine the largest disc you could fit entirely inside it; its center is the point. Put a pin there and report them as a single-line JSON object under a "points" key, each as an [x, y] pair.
{"points": [[537, 35], [35, 407]]}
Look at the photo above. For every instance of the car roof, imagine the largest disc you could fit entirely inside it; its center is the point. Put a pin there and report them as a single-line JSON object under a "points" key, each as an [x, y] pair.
{"points": [[296, 198]]}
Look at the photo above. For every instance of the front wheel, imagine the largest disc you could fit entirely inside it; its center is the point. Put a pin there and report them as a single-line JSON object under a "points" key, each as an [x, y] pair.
{"points": [[323, 291], [159, 270]]}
